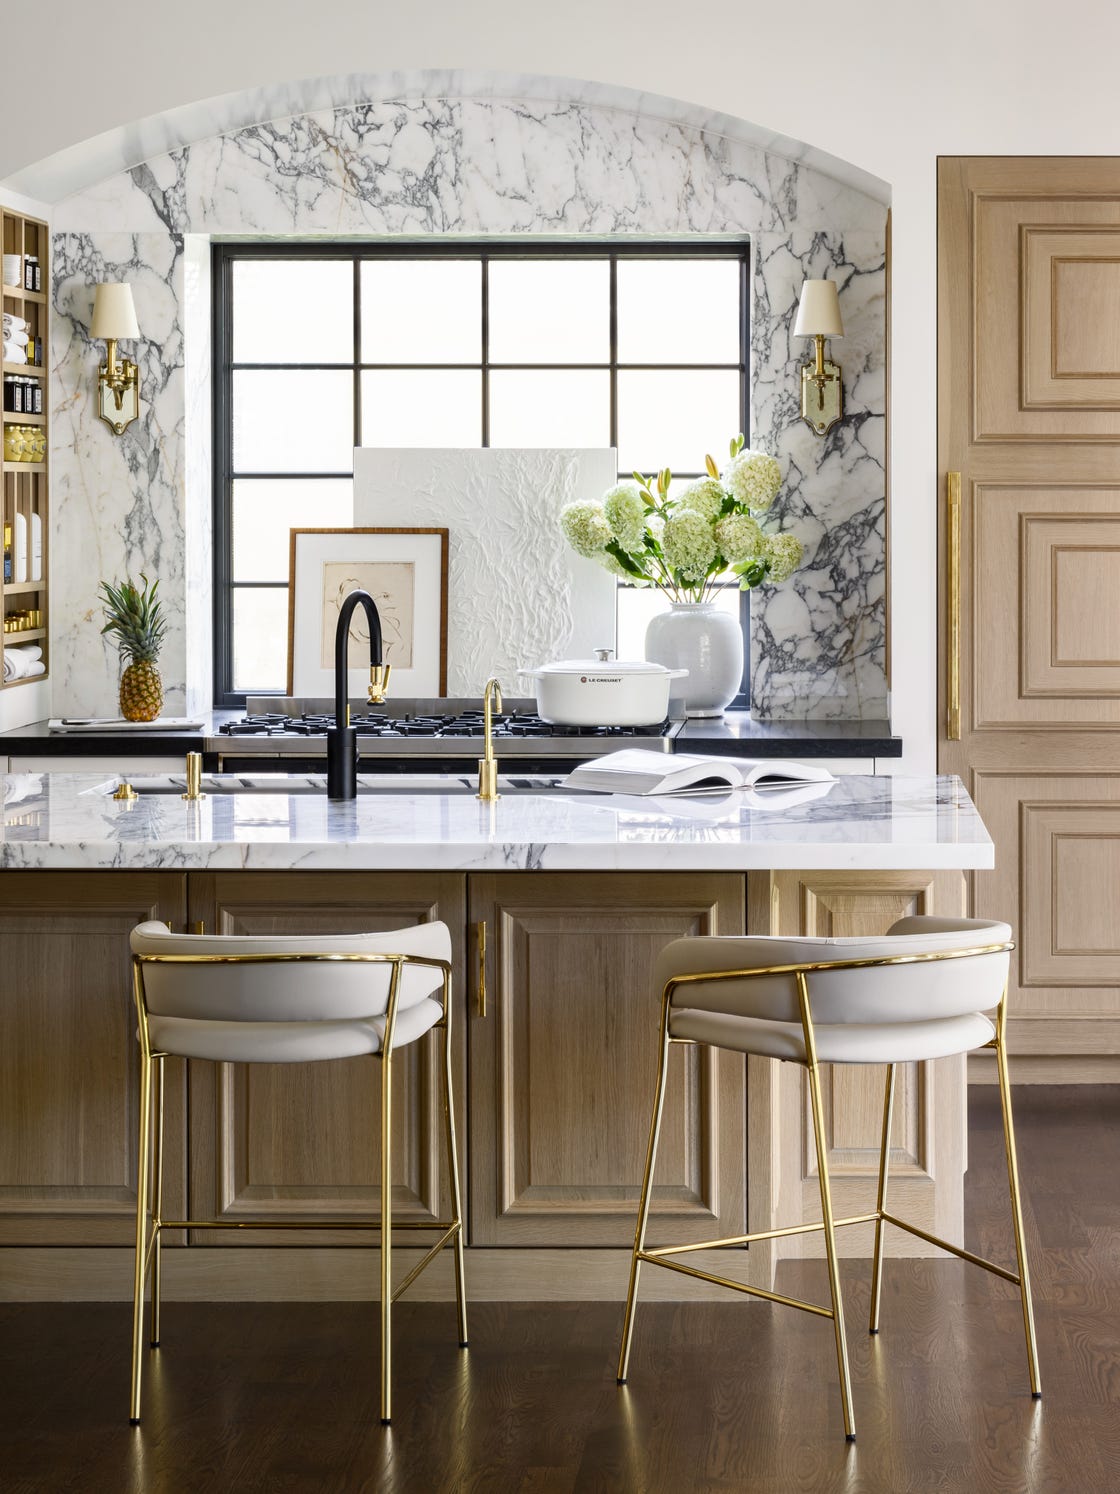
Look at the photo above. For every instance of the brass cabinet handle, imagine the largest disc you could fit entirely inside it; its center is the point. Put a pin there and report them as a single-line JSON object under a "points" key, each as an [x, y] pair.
{"points": [[953, 584], [480, 934]]}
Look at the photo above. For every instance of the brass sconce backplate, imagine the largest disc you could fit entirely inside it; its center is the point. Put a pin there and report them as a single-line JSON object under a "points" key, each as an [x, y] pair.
{"points": [[822, 396]]}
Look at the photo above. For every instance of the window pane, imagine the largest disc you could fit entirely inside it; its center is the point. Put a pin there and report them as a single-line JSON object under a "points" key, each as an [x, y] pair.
{"points": [[291, 420], [550, 409], [266, 510], [260, 638], [293, 311], [678, 311], [674, 419], [636, 605], [431, 407], [421, 311], [549, 311]]}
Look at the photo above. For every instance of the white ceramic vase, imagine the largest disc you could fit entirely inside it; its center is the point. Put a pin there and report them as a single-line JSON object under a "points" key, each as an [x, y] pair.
{"points": [[706, 641]]}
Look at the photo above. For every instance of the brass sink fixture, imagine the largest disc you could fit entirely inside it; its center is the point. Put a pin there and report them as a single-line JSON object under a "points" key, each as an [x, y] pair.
{"points": [[487, 765]]}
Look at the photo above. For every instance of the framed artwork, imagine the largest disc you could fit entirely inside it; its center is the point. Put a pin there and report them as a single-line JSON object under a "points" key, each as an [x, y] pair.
{"points": [[404, 571]]}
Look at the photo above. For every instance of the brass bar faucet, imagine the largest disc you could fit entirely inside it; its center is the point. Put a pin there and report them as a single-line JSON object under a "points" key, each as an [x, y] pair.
{"points": [[487, 766]]}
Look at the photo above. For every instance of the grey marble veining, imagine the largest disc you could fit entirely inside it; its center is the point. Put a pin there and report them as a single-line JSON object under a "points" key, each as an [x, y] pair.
{"points": [[70, 821], [446, 163]]}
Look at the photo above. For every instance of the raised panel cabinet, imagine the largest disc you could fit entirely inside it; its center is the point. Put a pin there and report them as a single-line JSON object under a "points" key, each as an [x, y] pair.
{"points": [[298, 1142], [927, 1142], [563, 1058], [69, 1076]]}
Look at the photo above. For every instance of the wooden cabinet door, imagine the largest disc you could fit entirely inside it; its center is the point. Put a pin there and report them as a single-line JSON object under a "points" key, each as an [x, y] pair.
{"points": [[1029, 416], [298, 1142], [563, 1063], [69, 1072], [928, 1144]]}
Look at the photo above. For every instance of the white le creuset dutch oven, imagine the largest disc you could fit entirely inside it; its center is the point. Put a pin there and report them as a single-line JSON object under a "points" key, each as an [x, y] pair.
{"points": [[603, 691]]}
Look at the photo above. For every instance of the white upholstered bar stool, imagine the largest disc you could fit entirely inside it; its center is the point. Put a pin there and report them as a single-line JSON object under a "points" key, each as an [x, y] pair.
{"points": [[921, 992], [295, 999]]}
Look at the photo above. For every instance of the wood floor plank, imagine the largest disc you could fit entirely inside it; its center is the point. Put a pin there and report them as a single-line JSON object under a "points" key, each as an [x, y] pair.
{"points": [[283, 1397]]}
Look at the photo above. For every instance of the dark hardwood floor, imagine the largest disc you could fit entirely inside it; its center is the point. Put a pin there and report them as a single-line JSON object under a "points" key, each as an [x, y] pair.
{"points": [[742, 1397]]}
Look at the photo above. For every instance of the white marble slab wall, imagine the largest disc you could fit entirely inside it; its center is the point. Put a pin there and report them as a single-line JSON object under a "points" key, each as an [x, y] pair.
{"points": [[455, 165]]}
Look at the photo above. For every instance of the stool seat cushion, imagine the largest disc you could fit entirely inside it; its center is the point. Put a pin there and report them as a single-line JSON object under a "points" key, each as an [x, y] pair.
{"points": [[286, 1042], [846, 1042]]}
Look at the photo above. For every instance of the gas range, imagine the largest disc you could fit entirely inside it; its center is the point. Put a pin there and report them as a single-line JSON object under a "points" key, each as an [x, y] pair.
{"points": [[447, 731]]}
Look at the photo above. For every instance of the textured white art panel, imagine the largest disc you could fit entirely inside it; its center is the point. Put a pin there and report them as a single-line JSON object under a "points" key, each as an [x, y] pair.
{"points": [[517, 595]]}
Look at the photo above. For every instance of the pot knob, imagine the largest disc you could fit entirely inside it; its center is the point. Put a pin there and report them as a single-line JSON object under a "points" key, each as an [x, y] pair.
{"points": [[603, 655]]}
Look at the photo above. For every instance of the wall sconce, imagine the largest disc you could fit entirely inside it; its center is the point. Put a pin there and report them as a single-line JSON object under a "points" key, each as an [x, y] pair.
{"points": [[118, 381], [822, 389]]}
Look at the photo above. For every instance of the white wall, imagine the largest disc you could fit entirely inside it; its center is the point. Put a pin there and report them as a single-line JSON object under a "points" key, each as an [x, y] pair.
{"points": [[886, 84]]}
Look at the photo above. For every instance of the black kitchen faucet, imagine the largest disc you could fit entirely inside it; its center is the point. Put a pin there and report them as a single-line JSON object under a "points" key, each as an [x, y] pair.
{"points": [[342, 738]]}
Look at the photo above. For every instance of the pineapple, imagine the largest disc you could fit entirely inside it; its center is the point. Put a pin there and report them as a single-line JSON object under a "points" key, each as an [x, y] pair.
{"points": [[134, 617]]}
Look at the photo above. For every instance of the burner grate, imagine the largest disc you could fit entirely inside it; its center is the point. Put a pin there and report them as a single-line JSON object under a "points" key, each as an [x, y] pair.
{"points": [[467, 724]]}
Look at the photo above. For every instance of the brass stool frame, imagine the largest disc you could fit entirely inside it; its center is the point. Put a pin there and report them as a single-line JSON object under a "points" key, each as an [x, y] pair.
{"points": [[880, 1216], [151, 1120]]}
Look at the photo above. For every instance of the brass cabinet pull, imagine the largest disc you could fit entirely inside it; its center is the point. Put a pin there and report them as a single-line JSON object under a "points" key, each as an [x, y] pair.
{"points": [[953, 584], [480, 934]]}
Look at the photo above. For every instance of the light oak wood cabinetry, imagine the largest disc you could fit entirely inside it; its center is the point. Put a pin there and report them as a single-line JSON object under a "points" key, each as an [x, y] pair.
{"points": [[928, 1144], [24, 459], [555, 1081], [293, 1141], [563, 1063], [68, 1072], [1029, 416]]}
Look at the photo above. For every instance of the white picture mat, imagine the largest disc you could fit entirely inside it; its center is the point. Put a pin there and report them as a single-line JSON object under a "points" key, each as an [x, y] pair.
{"points": [[313, 551], [518, 595]]}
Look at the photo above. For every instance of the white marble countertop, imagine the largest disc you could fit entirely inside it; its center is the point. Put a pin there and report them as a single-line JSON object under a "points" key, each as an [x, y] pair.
{"points": [[70, 821]]}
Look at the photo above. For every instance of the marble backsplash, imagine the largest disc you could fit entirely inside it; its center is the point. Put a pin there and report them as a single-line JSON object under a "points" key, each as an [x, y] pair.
{"points": [[464, 166]]}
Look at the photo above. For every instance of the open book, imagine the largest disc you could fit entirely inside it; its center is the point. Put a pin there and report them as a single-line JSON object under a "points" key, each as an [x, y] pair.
{"points": [[639, 771]]}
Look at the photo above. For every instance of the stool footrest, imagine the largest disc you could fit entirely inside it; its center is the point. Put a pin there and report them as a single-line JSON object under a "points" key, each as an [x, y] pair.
{"points": [[965, 1255], [735, 1286]]}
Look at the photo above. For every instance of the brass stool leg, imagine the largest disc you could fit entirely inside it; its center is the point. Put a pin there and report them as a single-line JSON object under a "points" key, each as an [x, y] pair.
{"points": [[826, 1209], [453, 1164], [1016, 1205], [881, 1202], [647, 1188], [157, 1198], [141, 1234], [386, 1236]]}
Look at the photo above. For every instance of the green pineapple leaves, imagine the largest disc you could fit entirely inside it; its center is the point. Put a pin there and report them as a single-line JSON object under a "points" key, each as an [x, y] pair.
{"points": [[134, 616]]}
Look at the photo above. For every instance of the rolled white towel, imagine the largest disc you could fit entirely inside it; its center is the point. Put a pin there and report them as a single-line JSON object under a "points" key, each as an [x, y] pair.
{"points": [[15, 334], [16, 322], [14, 353], [23, 661]]}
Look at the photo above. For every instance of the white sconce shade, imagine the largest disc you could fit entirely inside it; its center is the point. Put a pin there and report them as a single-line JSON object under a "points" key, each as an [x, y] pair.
{"points": [[114, 315], [818, 313]]}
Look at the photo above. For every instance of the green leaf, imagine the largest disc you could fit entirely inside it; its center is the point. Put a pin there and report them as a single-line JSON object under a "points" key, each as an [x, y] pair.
{"points": [[627, 562]]}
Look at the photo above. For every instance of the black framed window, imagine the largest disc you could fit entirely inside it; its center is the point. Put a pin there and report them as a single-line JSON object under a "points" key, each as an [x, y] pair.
{"points": [[321, 347]]}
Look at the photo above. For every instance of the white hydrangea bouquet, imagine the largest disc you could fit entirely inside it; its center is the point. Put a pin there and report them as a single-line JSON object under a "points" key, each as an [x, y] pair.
{"points": [[685, 544]]}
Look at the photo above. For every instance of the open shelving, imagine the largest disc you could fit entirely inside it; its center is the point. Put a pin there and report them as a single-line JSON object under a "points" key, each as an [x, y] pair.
{"points": [[25, 485]]}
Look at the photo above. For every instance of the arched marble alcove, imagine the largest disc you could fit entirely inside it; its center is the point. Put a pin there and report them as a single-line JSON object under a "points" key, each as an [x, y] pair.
{"points": [[443, 154]]}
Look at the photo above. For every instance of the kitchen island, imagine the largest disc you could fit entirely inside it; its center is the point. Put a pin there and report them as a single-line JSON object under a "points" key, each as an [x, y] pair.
{"points": [[558, 904]]}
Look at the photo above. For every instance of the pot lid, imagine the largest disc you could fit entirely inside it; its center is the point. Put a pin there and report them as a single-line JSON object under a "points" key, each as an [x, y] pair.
{"points": [[602, 665]]}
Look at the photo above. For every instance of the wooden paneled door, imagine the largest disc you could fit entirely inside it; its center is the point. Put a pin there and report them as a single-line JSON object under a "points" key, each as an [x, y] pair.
{"points": [[563, 1060], [301, 1141], [1029, 416]]}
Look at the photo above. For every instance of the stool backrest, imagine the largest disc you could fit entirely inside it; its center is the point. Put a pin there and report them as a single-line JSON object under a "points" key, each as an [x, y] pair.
{"points": [[243, 987], [888, 993]]}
